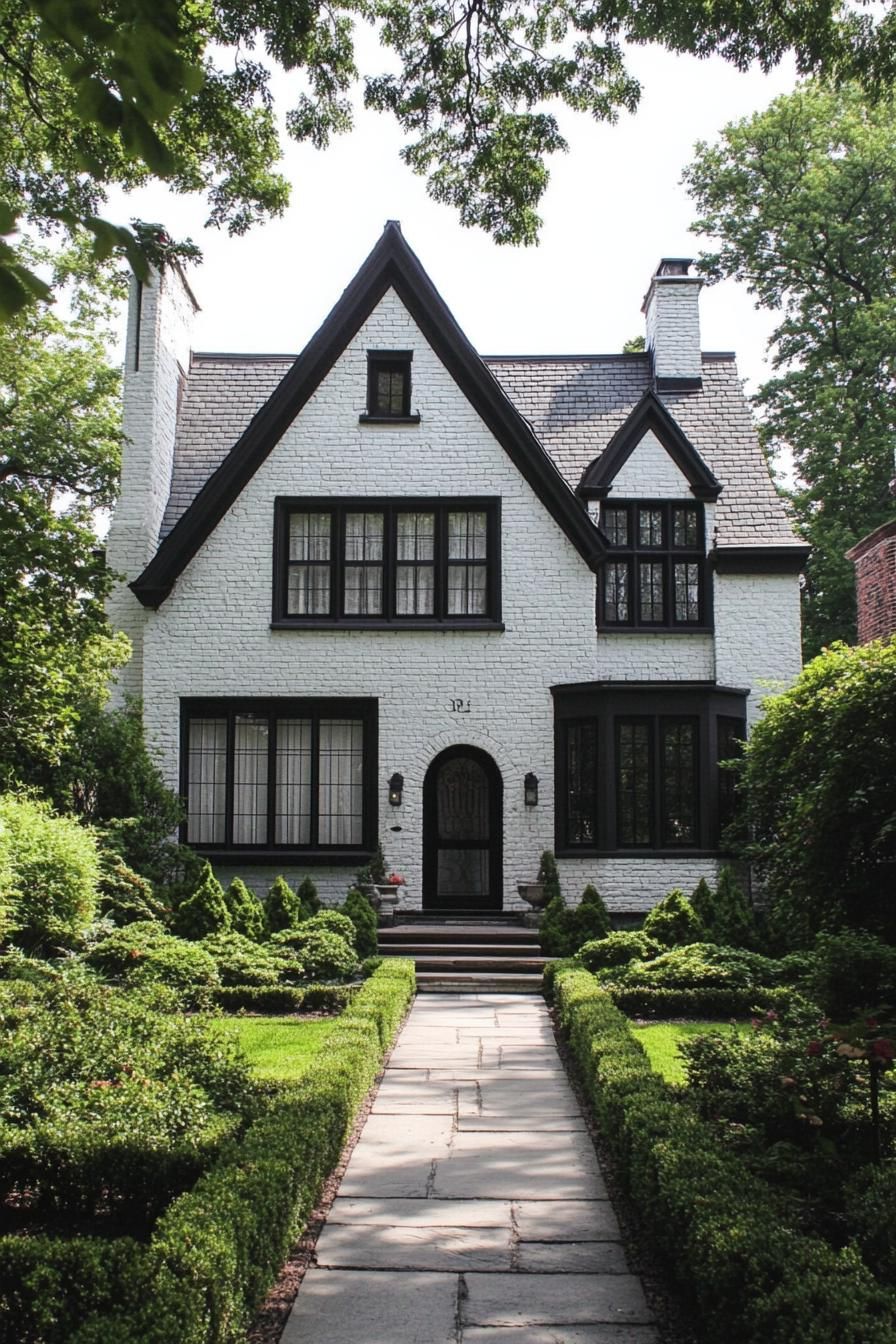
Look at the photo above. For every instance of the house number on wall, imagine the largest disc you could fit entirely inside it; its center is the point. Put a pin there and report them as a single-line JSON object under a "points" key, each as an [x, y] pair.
{"points": [[459, 706]]}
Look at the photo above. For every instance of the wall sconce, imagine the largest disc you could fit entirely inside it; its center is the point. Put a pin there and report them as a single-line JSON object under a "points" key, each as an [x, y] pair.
{"points": [[530, 790], [396, 784]]}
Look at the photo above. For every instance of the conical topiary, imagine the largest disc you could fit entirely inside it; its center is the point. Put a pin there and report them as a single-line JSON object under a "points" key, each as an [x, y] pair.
{"points": [[591, 917], [363, 916], [733, 920], [307, 894], [205, 911], [557, 928], [674, 922], [246, 911], [703, 901], [283, 907]]}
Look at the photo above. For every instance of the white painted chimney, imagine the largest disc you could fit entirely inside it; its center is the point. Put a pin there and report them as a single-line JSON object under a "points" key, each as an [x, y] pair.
{"points": [[672, 309], [157, 358]]}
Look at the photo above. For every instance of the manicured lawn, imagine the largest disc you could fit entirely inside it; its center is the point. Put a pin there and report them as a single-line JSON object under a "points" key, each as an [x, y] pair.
{"points": [[661, 1039], [279, 1048]]}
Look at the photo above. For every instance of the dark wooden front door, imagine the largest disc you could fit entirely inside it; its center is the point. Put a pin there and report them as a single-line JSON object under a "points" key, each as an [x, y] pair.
{"points": [[462, 832]]}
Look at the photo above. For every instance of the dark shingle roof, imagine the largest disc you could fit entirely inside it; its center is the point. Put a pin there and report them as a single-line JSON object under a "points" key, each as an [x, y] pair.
{"points": [[575, 405]]}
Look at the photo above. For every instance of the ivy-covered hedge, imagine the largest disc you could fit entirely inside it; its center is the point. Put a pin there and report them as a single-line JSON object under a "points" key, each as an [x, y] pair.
{"points": [[216, 1249], [750, 1277]]}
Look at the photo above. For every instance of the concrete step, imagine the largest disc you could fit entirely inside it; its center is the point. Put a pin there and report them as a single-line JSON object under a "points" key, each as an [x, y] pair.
{"points": [[508, 935], [481, 965], [439, 982], [521, 949]]}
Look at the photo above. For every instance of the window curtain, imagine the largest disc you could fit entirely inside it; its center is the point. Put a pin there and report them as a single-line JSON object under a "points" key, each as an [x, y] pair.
{"points": [[340, 787]]}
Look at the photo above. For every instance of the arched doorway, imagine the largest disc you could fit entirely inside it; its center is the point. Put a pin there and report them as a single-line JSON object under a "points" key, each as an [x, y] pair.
{"points": [[462, 832]]}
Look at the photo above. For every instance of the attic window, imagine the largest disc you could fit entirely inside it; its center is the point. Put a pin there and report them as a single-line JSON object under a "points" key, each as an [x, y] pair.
{"points": [[654, 573], [389, 387]]}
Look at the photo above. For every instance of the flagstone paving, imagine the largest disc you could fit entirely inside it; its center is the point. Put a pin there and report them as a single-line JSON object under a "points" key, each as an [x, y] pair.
{"points": [[472, 1210]]}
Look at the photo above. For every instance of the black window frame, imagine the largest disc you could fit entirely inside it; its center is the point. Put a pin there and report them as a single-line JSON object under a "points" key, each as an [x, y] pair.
{"points": [[390, 506], [605, 706], [393, 362], [315, 709], [633, 555]]}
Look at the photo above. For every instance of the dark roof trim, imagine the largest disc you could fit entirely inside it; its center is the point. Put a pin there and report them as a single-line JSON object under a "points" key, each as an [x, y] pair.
{"points": [[647, 687], [759, 559], [391, 264], [649, 414]]}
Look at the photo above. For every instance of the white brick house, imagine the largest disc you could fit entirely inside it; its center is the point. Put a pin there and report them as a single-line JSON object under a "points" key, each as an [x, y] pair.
{"points": [[473, 608]]}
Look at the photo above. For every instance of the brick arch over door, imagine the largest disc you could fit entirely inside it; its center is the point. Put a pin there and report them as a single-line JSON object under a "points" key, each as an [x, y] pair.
{"points": [[463, 829]]}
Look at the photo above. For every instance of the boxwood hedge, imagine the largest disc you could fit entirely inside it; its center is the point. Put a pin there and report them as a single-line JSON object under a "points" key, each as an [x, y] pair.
{"points": [[750, 1277], [217, 1248]]}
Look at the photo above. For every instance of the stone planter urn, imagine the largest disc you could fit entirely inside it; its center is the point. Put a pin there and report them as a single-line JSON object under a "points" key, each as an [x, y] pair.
{"points": [[383, 896], [533, 893]]}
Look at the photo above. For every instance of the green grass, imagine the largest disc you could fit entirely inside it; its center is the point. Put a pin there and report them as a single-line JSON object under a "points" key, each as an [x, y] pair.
{"points": [[279, 1048], [661, 1040]]}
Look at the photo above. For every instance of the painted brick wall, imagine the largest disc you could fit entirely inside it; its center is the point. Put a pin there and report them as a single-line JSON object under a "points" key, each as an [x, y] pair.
{"points": [[757, 634], [672, 314], [875, 561], [634, 884], [649, 473]]}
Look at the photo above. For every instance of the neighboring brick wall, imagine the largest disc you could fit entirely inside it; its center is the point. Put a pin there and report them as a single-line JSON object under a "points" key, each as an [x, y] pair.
{"points": [[875, 560]]}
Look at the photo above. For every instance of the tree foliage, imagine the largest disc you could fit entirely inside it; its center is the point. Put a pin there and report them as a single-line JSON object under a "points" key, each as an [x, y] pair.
{"points": [[801, 200], [59, 456], [116, 91], [819, 797]]}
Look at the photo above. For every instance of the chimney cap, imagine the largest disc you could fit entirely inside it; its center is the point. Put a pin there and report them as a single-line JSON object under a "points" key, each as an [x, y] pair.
{"points": [[674, 265]]}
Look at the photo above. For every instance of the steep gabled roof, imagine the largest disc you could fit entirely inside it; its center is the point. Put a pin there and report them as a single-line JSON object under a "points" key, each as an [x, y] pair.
{"points": [[391, 265], [649, 415]]}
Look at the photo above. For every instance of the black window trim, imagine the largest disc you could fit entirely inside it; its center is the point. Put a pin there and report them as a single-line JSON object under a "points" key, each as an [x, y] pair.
{"points": [[315, 708], [667, 555], [338, 506], [607, 703], [374, 414]]}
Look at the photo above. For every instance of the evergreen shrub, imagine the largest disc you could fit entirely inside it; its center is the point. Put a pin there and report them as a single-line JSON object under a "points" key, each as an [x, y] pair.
{"points": [[317, 954], [674, 921], [240, 961], [617, 949], [850, 971], [283, 907], [308, 897], [332, 921], [246, 911], [362, 914], [144, 953], [205, 912], [125, 896]]}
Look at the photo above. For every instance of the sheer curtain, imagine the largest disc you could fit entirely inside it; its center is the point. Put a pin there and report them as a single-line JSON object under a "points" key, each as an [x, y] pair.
{"points": [[206, 781], [250, 780], [341, 781], [292, 822]]}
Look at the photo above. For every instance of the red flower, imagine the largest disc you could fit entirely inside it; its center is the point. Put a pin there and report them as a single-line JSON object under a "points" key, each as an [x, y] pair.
{"points": [[814, 1048], [872, 1023], [883, 1048]]}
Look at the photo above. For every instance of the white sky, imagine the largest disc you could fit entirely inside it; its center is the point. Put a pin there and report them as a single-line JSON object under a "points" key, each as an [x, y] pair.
{"points": [[614, 206]]}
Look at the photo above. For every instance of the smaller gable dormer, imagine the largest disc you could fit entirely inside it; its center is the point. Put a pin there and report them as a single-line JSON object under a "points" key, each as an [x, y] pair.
{"points": [[649, 424]]}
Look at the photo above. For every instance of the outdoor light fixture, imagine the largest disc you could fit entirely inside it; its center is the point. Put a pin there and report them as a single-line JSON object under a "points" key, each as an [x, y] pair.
{"points": [[530, 790], [396, 784]]}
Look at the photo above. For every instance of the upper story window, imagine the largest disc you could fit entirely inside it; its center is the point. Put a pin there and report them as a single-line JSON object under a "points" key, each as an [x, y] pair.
{"points": [[389, 386], [654, 576], [392, 563]]}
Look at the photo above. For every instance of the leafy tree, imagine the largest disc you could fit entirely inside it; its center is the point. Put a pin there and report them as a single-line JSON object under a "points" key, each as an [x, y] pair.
{"points": [[801, 199], [59, 456], [818, 798], [116, 91], [205, 912], [49, 870]]}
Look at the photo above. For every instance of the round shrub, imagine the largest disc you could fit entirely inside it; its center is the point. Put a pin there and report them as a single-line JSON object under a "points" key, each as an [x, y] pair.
{"points": [[701, 966], [318, 955], [674, 921], [205, 912], [617, 949], [49, 870], [246, 911], [240, 961], [332, 921], [144, 953]]}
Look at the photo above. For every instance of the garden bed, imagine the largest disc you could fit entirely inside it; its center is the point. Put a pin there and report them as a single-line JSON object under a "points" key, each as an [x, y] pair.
{"points": [[217, 1247]]}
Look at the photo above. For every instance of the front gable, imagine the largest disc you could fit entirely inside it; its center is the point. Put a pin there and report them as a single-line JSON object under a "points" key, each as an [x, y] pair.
{"points": [[391, 266], [649, 456]]}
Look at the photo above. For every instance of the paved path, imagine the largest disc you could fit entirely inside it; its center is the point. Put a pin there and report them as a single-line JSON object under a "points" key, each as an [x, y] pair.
{"points": [[472, 1210]]}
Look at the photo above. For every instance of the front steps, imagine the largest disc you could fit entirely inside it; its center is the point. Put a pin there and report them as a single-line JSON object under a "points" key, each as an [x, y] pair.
{"points": [[465, 956]]}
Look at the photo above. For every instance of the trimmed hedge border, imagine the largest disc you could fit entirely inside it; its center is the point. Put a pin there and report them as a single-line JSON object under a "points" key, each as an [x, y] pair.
{"points": [[284, 998], [218, 1248], [751, 1278], [645, 1001]]}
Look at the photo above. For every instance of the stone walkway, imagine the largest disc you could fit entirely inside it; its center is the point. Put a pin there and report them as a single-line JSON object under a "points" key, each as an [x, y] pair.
{"points": [[472, 1210]]}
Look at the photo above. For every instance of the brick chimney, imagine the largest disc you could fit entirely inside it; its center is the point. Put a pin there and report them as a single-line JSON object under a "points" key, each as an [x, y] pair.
{"points": [[672, 309], [157, 357], [875, 560]]}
